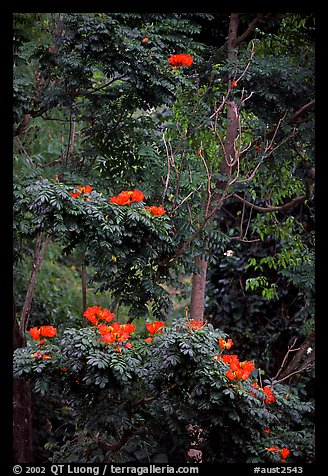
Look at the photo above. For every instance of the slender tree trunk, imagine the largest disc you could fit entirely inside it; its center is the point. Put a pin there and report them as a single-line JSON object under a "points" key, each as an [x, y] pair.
{"points": [[39, 254], [84, 287], [22, 408], [199, 279], [22, 396], [198, 290]]}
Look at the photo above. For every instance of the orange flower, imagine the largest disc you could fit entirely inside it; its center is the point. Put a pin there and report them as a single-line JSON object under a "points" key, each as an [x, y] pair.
{"points": [[228, 359], [81, 191], [128, 345], [106, 315], [137, 196], [91, 313], [127, 197], [116, 332], [180, 60], [44, 331], [156, 211], [155, 327], [272, 448], [246, 368], [96, 313], [86, 189], [48, 331], [145, 40], [108, 337], [284, 452], [233, 84], [148, 339], [225, 344], [230, 374], [123, 198], [270, 398], [128, 327], [35, 333], [240, 370], [195, 324]]}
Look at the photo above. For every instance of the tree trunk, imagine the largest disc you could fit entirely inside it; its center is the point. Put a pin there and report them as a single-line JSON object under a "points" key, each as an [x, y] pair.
{"points": [[22, 395], [22, 408], [198, 290], [22, 422], [84, 284], [38, 258], [199, 279]]}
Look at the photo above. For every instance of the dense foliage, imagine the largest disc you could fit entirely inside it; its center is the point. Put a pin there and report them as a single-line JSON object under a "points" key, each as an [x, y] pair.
{"points": [[122, 123], [151, 398]]}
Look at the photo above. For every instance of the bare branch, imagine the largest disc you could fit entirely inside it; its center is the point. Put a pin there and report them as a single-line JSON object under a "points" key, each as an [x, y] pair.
{"points": [[277, 208], [251, 27], [23, 150], [295, 364], [168, 169], [209, 193], [289, 350]]}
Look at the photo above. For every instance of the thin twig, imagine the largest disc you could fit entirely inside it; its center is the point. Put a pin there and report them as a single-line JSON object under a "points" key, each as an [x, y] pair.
{"points": [[22, 149], [290, 348], [168, 169], [209, 193]]}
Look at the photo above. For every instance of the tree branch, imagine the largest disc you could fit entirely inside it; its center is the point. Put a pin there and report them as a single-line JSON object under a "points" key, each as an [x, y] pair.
{"points": [[293, 366], [277, 208], [251, 27]]}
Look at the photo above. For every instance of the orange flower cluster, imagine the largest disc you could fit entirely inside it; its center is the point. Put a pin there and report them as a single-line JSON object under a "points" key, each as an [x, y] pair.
{"points": [[225, 344], [239, 370], [284, 452], [180, 60], [116, 332], [126, 197], [37, 333], [156, 211], [43, 331], [270, 398], [81, 191], [95, 314], [153, 327], [195, 325]]}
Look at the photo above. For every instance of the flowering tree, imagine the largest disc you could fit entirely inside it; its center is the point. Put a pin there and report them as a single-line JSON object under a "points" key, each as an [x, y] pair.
{"points": [[156, 144], [155, 398]]}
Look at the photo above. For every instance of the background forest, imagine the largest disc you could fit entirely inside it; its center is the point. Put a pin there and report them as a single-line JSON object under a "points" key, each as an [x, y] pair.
{"points": [[164, 237]]}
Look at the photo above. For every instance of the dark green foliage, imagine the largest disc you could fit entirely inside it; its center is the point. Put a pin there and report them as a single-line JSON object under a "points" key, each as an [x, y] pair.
{"points": [[124, 244], [96, 104], [144, 400]]}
